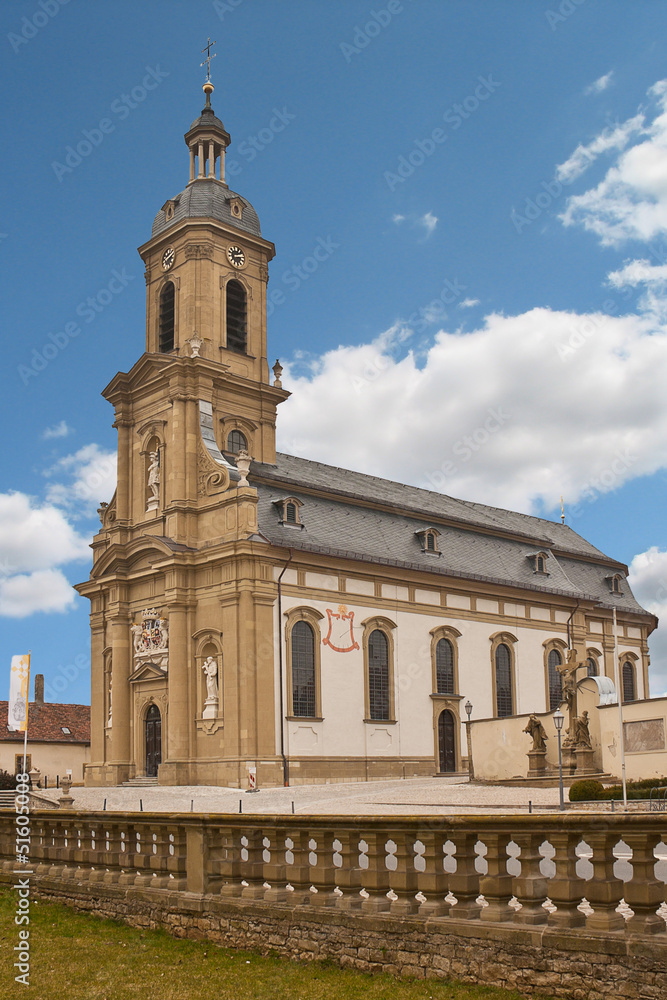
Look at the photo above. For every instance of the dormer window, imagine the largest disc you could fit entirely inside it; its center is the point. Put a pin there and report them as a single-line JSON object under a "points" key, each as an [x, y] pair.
{"points": [[236, 206], [614, 583], [428, 539], [539, 562], [289, 509]]}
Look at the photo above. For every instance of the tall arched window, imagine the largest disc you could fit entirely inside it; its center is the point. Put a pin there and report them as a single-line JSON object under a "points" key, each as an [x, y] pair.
{"points": [[504, 704], [303, 670], [167, 300], [629, 687], [592, 666], [236, 442], [237, 317], [378, 675], [444, 667], [554, 661]]}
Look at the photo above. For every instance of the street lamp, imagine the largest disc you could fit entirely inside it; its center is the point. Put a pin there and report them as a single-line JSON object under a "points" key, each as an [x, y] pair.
{"points": [[559, 719], [471, 767]]}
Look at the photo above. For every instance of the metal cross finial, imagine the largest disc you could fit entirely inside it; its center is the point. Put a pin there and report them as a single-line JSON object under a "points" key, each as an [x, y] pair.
{"points": [[207, 61]]}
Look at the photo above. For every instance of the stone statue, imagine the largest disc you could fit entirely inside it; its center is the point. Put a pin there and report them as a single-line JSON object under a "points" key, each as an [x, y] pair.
{"points": [[582, 735], [137, 637], [210, 668], [154, 474], [535, 729]]}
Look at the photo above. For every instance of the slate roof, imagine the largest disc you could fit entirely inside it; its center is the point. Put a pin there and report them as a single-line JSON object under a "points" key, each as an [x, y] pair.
{"points": [[45, 722], [477, 542], [208, 199]]}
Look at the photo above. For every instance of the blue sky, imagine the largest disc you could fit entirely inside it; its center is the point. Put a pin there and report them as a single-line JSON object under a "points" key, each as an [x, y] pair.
{"points": [[490, 180]]}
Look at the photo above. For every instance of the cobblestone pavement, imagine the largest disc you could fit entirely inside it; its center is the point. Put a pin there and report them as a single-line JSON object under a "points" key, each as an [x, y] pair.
{"points": [[415, 796]]}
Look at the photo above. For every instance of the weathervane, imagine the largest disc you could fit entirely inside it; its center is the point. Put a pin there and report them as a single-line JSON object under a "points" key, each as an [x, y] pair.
{"points": [[207, 61]]}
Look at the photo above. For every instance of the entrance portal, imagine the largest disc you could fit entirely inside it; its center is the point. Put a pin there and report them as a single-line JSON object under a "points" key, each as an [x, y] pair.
{"points": [[446, 741], [153, 741]]}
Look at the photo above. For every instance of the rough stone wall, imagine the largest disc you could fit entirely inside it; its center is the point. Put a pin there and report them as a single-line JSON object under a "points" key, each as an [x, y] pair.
{"points": [[570, 965]]}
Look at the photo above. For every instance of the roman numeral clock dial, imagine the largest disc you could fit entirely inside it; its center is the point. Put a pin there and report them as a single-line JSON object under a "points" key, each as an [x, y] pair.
{"points": [[168, 258], [236, 256]]}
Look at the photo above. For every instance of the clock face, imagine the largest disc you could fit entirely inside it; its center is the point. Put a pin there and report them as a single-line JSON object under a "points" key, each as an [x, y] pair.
{"points": [[168, 258], [236, 256]]}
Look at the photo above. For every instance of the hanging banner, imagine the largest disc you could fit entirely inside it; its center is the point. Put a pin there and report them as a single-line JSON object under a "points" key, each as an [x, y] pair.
{"points": [[19, 686]]}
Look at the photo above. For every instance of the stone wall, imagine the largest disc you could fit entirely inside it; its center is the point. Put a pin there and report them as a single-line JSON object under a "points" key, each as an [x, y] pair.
{"points": [[559, 963]]}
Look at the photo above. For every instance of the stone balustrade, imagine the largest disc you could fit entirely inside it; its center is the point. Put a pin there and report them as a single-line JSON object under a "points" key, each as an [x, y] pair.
{"points": [[567, 871]]}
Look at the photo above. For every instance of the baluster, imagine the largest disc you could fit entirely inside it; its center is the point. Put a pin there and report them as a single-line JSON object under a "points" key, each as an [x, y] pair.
{"points": [[643, 893], [299, 871], [376, 878], [530, 887], [349, 874], [496, 885], [433, 882], [253, 868], [323, 874], [403, 880], [565, 889], [464, 883], [275, 870], [231, 863], [112, 858], [177, 856], [604, 891]]}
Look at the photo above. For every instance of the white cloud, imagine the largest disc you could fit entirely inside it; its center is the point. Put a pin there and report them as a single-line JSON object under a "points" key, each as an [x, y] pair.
{"points": [[600, 84], [648, 579], [398, 218], [468, 303], [90, 476], [429, 222], [584, 155], [630, 202], [35, 540], [46, 590], [60, 430], [494, 415]]}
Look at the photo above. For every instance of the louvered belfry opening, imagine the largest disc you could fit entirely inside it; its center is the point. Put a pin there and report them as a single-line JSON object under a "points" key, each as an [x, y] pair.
{"points": [[237, 317], [167, 300]]}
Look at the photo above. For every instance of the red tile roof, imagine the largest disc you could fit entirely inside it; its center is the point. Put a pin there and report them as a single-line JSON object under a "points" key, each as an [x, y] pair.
{"points": [[46, 721]]}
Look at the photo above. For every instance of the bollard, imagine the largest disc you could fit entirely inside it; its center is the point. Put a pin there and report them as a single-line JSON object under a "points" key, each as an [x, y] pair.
{"points": [[104, 807]]}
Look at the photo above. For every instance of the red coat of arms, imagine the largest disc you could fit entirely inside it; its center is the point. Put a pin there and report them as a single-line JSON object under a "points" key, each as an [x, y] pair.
{"points": [[342, 622]]}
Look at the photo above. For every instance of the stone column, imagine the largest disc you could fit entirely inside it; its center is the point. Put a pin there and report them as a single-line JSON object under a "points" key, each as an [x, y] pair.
{"points": [[120, 754], [211, 161], [179, 702], [192, 163], [98, 714], [201, 160]]}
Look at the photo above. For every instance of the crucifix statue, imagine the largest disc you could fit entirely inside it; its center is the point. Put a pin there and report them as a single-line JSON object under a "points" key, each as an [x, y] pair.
{"points": [[207, 61]]}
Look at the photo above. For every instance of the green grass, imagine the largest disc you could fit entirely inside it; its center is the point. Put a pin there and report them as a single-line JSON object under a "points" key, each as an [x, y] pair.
{"points": [[79, 957]]}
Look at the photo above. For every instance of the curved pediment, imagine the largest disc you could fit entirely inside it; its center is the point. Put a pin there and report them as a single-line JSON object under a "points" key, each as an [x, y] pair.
{"points": [[137, 554]]}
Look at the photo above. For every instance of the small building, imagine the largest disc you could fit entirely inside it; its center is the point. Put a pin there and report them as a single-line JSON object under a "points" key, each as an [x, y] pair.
{"points": [[58, 738]]}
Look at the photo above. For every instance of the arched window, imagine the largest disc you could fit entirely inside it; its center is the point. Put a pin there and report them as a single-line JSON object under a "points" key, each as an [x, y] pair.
{"points": [[504, 705], [167, 299], [629, 688], [236, 442], [554, 661], [237, 317], [592, 666], [444, 667], [378, 675], [303, 670], [291, 513]]}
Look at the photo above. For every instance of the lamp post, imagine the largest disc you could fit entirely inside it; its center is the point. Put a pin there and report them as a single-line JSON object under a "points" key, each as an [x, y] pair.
{"points": [[559, 719], [471, 766]]}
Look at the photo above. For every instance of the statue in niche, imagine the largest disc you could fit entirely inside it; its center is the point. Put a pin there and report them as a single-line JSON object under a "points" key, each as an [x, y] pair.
{"points": [[536, 730], [110, 693], [154, 476], [210, 668], [582, 735]]}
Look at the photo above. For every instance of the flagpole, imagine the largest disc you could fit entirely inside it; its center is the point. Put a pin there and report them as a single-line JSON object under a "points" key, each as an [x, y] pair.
{"points": [[27, 703]]}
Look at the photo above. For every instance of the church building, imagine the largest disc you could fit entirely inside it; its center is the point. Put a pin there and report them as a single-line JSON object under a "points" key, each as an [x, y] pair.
{"points": [[256, 610]]}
